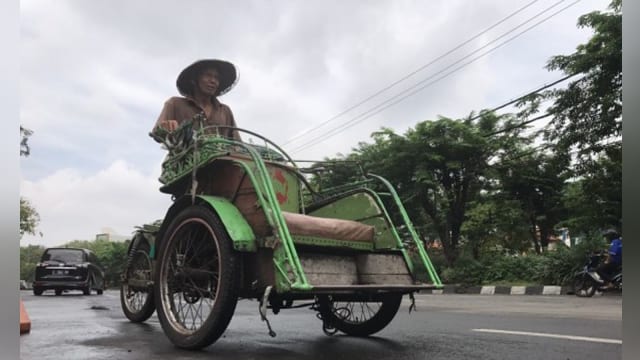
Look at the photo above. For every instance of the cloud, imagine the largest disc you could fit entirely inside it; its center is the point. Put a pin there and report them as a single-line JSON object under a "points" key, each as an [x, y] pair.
{"points": [[72, 206], [94, 76]]}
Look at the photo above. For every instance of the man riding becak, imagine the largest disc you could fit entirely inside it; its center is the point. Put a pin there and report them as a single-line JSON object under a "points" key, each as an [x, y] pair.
{"points": [[200, 84]]}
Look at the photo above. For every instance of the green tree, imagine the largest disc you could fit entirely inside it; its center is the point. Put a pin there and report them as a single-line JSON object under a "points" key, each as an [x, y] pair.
{"points": [[588, 112], [594, 200], [24, 142], [438, 167], [29, 257], [29, 218], [587, 122], [495, 225], [536, 181]]}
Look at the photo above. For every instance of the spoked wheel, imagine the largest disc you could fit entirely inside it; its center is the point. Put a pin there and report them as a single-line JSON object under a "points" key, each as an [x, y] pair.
{"points": [[360, 318], [136, 296], [195, 280], [584, 286]]}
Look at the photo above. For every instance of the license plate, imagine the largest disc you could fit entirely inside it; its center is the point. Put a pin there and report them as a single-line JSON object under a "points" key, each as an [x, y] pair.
{"points": [[60, 272]]}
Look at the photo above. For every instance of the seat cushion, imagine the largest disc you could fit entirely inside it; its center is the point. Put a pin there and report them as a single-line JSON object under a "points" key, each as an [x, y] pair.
{"points": [[337, 229]]}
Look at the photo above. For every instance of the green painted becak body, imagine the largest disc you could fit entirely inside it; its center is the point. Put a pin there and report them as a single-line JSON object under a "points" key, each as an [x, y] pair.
{"points": [[246, 223]]}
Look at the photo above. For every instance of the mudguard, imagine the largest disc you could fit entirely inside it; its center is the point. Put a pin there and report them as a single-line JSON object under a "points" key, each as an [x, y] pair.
{"points": [[234, 222]]}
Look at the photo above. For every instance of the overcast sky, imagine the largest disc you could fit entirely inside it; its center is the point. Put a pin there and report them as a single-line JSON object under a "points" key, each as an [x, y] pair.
{"points": [[94, 76]]}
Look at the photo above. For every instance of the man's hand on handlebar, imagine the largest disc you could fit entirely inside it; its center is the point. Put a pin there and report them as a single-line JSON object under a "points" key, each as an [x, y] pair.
{"points": [[169, 125]]}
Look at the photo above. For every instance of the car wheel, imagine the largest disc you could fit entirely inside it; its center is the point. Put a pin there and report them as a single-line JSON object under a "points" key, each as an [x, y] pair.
{"points": [[196, 279], [99, 291], [58, 292], [37, 291], [87, 289]]}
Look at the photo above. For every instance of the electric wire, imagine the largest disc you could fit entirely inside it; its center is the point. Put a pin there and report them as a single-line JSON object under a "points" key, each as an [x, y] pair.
{"points": [[386, 104], [519, 125], [411, 73], [510, 102]]}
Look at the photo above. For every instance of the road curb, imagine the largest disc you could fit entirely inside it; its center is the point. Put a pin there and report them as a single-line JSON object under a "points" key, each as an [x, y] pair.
{"points": [[502, 290], [25, 322]]}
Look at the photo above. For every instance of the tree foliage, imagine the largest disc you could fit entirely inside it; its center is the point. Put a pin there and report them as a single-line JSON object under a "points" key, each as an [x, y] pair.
{"points": [[24, 142], [438, 167], [29, 218], [589, 111], [594, 200], [495, 225], [536, 181], [29, 256]]}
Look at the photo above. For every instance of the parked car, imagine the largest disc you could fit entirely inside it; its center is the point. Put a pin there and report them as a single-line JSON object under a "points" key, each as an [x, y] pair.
{"points": [[62, 269]]}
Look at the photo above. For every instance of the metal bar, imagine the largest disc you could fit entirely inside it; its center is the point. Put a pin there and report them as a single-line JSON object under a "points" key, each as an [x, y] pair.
{"points": [[314, 240], [423, 254], [235, 193], [373, 288], [392, 227], [254, 134], [272, 209], [341, 187]]}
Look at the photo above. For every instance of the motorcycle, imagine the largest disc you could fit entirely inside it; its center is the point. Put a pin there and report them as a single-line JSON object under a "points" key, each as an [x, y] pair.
{"points": [[587, 281]]}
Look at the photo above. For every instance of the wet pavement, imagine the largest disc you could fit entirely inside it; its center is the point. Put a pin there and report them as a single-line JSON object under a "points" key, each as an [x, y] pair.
{"points": [[73, 326]]}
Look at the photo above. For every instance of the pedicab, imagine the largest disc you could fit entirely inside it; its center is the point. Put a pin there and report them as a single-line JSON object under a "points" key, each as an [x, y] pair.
{"points": [[246, 223]]}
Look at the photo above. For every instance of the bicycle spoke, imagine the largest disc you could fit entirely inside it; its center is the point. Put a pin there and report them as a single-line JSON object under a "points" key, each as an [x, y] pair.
{"points": [[191, 276]]}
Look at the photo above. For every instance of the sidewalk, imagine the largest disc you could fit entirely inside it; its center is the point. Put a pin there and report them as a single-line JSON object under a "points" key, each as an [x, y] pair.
{"points": [[507, 290]]}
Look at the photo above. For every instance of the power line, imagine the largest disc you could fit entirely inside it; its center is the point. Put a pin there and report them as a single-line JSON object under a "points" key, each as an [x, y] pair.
{"points": [[367, 114], [519, 125], [531, 151], [412, 73], [503, 163], [524, 96]]}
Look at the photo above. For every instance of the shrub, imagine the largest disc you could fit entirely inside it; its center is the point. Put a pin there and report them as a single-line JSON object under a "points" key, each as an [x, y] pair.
{"points": [[466, 271], [438, 259]]}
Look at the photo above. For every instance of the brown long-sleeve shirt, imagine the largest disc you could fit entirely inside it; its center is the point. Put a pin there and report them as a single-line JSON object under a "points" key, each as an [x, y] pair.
{"points": [[183, 109]]}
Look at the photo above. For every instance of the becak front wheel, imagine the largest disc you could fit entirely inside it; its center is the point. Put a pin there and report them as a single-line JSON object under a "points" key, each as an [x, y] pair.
{"points": [[195, 279]]}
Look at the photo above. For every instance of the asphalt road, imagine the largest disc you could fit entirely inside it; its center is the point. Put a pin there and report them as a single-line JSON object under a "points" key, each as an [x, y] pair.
{"points": [[73, 326]]}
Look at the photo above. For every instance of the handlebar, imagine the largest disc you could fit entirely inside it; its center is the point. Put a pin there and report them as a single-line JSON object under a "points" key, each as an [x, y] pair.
{"points": [[185, 134]]}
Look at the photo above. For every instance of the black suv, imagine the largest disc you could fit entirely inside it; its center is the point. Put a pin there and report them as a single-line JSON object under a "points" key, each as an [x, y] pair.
{"points": [[68, 269]]}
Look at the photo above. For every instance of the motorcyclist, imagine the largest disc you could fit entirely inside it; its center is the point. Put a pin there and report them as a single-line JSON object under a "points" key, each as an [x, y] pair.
{"points": [[613, 260]]}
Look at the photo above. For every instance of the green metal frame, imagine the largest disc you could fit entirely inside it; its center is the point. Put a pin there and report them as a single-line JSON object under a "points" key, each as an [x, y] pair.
{"points": [[435, 279], [289, 272], [288, 257]]}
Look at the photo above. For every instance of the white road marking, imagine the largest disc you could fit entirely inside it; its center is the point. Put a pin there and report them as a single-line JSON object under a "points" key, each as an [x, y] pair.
{"points": [[557, 336]]}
